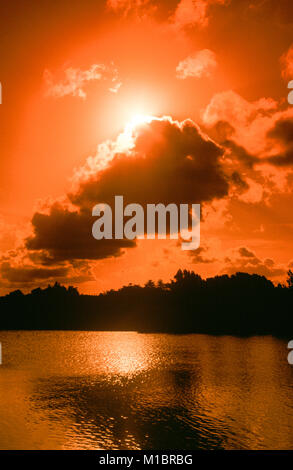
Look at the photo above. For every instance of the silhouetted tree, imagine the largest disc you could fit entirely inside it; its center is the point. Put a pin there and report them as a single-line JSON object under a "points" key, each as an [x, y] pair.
{"points": [[239, 304], [290, 279]]}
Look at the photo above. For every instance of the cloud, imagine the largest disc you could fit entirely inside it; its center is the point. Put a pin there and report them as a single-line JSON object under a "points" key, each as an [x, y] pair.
{"points": [[281, 10], [200, 64], [168, 162], [255, 192], [286, 61], [163, 161], [185, 14], [230, 107], [127, 6], [257, 133], [257, 137], [245, 260], [76, 79], [159, 160], [245, 253], [283, 131], [198, 256], [24, 274], [258, 143], [216, 216], [282, 135], [64, 235], [189, 13]]}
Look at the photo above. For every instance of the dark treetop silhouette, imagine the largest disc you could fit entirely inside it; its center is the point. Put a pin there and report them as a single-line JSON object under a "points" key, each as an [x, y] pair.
{"points": [[241, 304]]}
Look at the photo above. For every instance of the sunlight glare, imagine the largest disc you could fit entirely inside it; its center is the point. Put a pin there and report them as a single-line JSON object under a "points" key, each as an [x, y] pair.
{"points": [[138, 120]]}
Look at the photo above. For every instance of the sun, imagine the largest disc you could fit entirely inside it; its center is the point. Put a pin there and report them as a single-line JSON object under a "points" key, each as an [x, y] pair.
{"points": [[137, 120], [126, 139]]}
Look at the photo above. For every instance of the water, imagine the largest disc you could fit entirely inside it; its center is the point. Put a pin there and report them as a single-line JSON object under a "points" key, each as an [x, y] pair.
{"points": [[101, 390]]}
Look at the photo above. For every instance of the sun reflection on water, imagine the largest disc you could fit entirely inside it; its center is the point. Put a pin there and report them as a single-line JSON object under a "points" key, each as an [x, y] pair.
{"points": [[124, 390]]}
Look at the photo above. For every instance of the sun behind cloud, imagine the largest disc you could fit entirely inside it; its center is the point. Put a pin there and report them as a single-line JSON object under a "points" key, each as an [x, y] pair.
{"points": [[138, 120]]}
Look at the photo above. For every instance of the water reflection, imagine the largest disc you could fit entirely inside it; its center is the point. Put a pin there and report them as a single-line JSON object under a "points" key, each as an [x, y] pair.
{"points": [[129, 391]]}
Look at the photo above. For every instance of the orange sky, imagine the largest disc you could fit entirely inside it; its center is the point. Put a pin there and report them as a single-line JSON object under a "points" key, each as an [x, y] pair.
{"points": [[75, 73]]}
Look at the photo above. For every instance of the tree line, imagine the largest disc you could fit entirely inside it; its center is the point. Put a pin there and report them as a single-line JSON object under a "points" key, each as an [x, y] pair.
{"points": [[239, 304]]}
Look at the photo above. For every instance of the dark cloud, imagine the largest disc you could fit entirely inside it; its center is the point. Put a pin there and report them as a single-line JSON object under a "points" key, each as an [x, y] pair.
{"points": [[280, 10], [282, 133], [221, 131], [65, 235], [246, 253], [198, 256], [283, 159], [241, 153], [28, 274], [238, 181], [246, 261], [170, 162]]}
